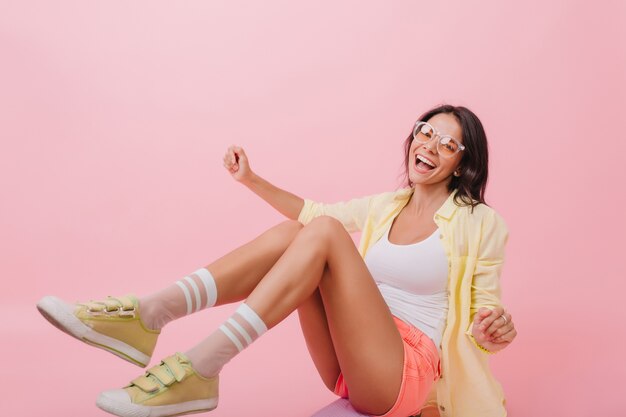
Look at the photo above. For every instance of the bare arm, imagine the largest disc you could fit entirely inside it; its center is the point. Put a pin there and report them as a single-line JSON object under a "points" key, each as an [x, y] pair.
{"points": [[285, 202], [236, 162]]}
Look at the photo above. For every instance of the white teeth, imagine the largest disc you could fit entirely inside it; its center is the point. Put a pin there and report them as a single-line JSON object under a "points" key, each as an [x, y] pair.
{"points": [[424, 160]]}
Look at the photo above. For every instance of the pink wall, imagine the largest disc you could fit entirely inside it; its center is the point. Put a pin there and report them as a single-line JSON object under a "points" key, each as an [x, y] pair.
{"points": [[114, 117]]}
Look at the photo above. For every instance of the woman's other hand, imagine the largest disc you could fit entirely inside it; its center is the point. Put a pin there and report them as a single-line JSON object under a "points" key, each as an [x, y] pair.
{"points": [[236, 162], [491, 331]]}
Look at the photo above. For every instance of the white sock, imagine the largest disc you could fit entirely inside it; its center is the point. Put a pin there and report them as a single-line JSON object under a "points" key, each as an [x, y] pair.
{"points": [[192, 293], [200, 278], [238, 332]]}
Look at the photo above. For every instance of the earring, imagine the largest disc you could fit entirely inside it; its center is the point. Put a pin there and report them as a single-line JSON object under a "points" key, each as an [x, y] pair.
{"points": [[457, 173]]}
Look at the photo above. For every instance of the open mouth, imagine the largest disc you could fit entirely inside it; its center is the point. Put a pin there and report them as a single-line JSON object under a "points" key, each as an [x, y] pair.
{"points": [[423, 164]]}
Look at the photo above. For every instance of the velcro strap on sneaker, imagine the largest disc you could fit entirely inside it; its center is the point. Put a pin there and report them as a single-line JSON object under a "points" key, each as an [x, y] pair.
{"points": [[175, 368], [146, 384], [112, 304], [94, 306], [163, 375], [126, 302]]}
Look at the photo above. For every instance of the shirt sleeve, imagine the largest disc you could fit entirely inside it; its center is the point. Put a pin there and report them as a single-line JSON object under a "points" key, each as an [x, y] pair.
{"points": [[351, 213], [486, 279]]}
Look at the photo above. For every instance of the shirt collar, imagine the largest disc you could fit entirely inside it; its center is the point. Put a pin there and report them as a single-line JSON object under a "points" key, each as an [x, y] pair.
{"points": [[446, 210]]}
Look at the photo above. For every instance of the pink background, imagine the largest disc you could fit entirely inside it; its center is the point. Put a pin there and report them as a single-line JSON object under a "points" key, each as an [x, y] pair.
{"points": [[114, 117]]}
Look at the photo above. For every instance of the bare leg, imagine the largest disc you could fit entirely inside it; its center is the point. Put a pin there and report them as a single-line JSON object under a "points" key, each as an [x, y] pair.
{"points": [[236, 274], [321, 266], [314, 324], [366, 341]]}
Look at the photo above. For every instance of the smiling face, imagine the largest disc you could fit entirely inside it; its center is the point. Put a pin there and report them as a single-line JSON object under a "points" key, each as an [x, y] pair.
{"points": [[428, 167]]}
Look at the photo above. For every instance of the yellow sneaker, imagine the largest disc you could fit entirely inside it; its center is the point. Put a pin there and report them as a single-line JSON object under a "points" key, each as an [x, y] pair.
{"points": [[171, 388], [113, 324]]}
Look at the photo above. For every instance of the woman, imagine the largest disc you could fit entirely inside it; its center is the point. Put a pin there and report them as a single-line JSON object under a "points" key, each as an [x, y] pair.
{"points": [[381, 343]]}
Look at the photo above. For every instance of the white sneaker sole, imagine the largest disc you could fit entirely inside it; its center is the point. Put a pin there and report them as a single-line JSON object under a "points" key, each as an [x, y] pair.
{"points": [[117, 402], [61, 315]]}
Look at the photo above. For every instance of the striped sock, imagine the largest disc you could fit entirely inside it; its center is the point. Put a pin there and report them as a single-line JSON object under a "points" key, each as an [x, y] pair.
{"points": [[191, 293], [237, 333], [200, 278]]}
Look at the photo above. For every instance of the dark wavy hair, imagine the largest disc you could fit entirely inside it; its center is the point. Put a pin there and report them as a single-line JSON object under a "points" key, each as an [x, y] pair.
{"points": [[472, 182]]}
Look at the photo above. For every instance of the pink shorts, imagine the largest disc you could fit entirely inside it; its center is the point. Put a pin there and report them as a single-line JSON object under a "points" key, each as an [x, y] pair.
{"points": [[421, 369]]}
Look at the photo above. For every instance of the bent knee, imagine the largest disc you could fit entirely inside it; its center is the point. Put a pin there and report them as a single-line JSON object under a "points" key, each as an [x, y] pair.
{"points": [[323, 230], [292, 224], [326, 224]]}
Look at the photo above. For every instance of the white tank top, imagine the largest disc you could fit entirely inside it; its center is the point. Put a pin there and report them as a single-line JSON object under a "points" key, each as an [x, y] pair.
{"points": [[413, 280]]}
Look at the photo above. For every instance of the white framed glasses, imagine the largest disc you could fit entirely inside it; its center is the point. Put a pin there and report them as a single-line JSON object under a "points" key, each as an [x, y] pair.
{"points": [[447, 146]]}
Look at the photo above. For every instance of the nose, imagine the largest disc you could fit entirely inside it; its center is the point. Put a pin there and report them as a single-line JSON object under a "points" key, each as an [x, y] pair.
{"points": [[431, 145]]}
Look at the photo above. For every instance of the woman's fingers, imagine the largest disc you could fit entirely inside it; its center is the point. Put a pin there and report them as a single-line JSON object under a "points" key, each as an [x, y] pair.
{"points": [[228, 156], [506, 337], [499, 322], [499, 331], [239, 150], [230, 159], [494, 328], [236, 162], [496, 324], [488, 320], [481, 315]]}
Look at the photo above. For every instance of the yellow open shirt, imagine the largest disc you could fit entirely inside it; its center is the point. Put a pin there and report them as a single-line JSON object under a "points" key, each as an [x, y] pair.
{"points": [[474, 243]]}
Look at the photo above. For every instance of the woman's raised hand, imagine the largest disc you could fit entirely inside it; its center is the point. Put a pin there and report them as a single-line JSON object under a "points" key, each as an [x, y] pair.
{"points": [[236, 162], [491, 331]]}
